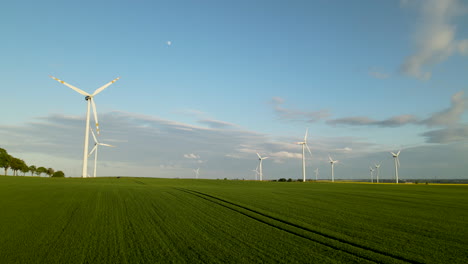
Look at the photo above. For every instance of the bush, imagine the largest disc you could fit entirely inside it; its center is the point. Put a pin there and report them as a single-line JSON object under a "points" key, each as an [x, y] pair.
{"points": [[58, 174]]}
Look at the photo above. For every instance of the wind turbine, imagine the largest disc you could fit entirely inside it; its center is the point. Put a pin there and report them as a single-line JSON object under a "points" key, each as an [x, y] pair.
{"points": [[256, 172], [316, 174], [197, 172], [260, 173], [397, 163], [377, 166], [304, 145], [371, 174], [90, 100], [332, 162], [95, 150]]}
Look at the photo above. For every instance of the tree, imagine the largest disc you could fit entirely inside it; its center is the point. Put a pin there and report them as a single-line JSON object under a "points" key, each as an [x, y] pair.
{"points": [[16, 165], [40, 170], [24, 169], [50, 172], [32, 169], [5, 160], [58, 174]]}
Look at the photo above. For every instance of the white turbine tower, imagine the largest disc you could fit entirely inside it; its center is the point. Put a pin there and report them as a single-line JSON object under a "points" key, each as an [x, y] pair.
{"points": [[95, 150], [377, 166], [316, 174], [371, 174], [304, 145], [332, 162], [397, 163], [260, 173], [90, 100], [197, 172]]}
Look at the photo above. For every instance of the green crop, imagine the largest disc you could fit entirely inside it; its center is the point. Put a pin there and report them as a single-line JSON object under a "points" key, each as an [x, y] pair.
{"points": [[142, 220]]}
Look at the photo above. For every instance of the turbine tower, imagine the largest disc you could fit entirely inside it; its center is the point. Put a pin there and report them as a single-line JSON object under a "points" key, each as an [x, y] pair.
{"points": [[371, 174], [316, 174], [397, 163], [95, 150], [260, 173], [90, 100], [377, 167], [197, 172], [304, 145], [332, 162]]}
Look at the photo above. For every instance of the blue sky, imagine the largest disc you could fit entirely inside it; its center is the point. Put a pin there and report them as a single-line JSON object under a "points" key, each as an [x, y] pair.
{"points": [[239, 77]]}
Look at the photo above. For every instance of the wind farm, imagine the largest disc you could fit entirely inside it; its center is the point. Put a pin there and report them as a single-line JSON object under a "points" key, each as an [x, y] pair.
{"points": [[234, 132]]}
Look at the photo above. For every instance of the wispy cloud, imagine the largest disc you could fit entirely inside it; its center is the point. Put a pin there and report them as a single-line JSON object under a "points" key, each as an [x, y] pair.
{"points": [[191, 156], [296, 115], [435, 37], [449, 118], [378, 74], [395, 121], [451, 115], [216, 123]]}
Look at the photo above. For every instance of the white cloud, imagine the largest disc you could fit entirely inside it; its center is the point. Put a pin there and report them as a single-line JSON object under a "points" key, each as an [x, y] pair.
{"points": [[191, 156], [297, 115], [435, 39]]}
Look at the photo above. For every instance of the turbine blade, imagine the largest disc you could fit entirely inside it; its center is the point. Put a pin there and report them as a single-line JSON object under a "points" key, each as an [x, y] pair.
{"points": [[305, 137], [310, 152], [100, 89], [398, 161], [398, 152], [259, 156], [265, 158], [92, 151], [107, 145], [393, 154], [94, 136], [71, 86], [329, 158], [95, 115]]}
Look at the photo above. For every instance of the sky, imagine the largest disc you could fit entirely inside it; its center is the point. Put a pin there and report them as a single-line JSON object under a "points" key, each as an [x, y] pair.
{"points": [[208, 84]]}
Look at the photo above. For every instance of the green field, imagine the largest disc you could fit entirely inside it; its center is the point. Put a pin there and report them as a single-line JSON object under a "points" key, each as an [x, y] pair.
{"points": [[140, 220]]}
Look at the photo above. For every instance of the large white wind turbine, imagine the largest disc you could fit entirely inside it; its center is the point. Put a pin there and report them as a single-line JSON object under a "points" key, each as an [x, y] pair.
{"points": [[260, 173], [304, 145], [397, 163], [332, 162], [197, 172], [316, 174], [371, 174], [90, 100], [95, 150], [377, 166]]}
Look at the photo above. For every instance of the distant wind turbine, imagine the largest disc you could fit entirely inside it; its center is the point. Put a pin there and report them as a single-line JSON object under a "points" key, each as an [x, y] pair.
{"points": [[371, 174], [260, 173], [197, 172], [256, 172], [304, 145], [90, 100], [316, 174], [397, 163], [377, 166], [332, 162], [95, 150]]}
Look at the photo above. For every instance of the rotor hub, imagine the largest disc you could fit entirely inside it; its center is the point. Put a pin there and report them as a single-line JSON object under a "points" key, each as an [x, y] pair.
{"points": [[87, 98]]}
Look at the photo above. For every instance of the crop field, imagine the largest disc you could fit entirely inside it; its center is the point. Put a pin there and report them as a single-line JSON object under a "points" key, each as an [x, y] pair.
{"points": [[141, 220]]}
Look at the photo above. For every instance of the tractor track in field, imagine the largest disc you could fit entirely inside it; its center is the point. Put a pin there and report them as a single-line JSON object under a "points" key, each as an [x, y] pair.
{"points": [[336, 243]]}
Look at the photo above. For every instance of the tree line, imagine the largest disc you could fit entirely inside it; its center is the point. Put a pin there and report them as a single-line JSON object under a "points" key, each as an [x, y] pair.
{"points": [[18, 165]]}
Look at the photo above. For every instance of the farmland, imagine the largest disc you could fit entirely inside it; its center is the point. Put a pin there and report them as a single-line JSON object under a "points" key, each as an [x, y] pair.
{"points": [[141, 220]]}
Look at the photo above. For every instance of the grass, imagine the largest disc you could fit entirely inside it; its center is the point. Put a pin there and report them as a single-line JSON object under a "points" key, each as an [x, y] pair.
{"points": [[140, 220]]}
